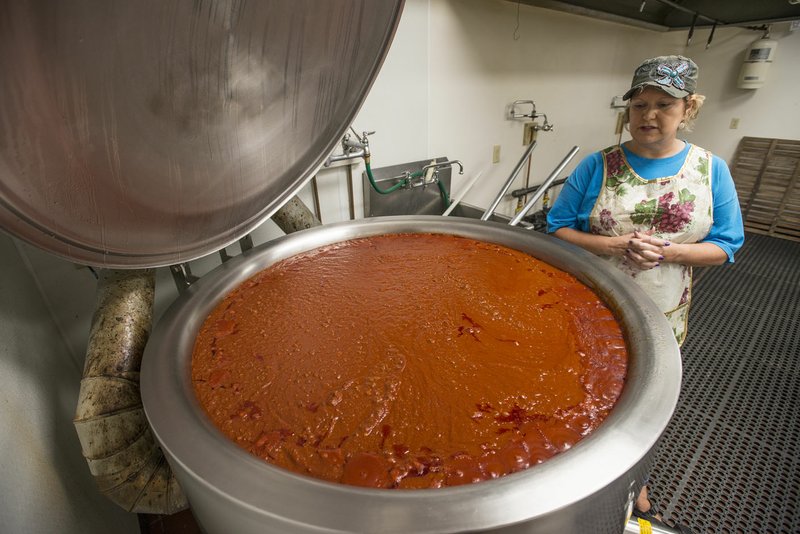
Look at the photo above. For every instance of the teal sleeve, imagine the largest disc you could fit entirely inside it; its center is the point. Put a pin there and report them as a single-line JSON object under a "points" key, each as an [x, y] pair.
{"points": [[727, 230], [578, 196]]}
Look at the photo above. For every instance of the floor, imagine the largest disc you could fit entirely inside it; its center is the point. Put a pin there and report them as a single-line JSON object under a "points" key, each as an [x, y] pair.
{"points": [[729, 462]]}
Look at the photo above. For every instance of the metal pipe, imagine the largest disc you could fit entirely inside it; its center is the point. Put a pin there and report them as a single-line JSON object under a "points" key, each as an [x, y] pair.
{"points": [[711, 35], [488, 213], [294, 216], [691, 30], [543, 188], [512, 113], [315, 195], [351, 199], [122, 453], [516, 193], [355, 154]]}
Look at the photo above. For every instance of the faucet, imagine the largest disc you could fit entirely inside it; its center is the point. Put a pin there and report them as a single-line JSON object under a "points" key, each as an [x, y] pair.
{"points": [[513, 113], [352, 148], [435, 166], [546, 127], [438, 166]]}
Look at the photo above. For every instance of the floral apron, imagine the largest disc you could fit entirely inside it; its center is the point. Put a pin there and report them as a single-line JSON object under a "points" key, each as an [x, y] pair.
{"points": [[676, 208]]}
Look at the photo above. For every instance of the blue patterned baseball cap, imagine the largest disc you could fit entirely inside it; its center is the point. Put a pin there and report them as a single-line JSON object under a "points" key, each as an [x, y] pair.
{"points": [[675, 75]]}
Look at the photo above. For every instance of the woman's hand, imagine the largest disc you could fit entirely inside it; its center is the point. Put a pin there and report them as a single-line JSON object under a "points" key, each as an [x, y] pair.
{"points": [[647, 251], [644, 250]]}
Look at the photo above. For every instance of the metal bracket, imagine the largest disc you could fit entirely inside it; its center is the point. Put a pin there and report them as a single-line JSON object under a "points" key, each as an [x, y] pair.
{"points": [[182, 272], [245, 244], [183, 277]]}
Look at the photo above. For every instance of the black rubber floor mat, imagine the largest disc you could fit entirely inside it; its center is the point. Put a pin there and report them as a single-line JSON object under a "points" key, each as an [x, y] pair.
{"points": [[729, 461]]}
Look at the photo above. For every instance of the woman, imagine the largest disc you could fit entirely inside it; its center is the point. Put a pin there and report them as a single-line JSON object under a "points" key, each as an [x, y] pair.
{"points": [[656, 205]]}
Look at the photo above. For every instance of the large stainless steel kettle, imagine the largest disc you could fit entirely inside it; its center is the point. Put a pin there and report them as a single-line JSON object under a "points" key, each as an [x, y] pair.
{"points": [[589, 488]]}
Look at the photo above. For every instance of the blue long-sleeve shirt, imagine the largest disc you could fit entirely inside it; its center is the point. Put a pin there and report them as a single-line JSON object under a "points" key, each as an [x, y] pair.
{"points": [[579, 195]]}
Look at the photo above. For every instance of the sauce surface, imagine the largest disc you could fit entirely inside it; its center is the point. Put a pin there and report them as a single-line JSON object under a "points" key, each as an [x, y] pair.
{"points": [[409, 361]]}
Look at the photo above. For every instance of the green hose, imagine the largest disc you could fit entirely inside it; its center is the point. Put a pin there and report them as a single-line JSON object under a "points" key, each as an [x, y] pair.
{"points": [[402, 183], [443, 192], [395, 187]]}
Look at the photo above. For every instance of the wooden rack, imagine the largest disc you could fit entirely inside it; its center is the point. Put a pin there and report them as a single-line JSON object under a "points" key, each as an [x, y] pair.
{"points": [[767, 176]]}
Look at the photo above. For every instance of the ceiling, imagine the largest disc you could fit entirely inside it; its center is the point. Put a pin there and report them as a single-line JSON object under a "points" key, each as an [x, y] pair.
{"points": [[665, 15]]}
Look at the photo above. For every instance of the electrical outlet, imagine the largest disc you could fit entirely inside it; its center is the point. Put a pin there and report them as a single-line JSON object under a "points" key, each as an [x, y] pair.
{"points": [[529, 133], [496, 154], [734, 123]]}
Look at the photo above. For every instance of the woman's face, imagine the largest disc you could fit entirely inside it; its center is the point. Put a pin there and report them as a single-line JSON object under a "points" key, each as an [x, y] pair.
{"points": [[655, 117]]}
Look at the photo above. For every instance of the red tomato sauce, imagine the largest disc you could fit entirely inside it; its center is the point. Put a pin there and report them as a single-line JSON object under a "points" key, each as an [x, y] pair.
{"points": [[409, 361]]}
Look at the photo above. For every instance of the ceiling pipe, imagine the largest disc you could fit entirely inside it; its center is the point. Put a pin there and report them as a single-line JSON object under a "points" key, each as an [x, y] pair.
{"points": [[711, 36], [691, 30]]}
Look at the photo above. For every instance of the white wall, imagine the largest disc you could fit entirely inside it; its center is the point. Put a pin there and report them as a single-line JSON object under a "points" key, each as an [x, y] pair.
{"points": [[571, 66], [397, 110], [46, 485], [770, 111], [452, 70]]}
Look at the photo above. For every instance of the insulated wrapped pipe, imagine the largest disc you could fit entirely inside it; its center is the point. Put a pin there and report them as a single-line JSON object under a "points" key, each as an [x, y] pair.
{"points": [[116, 440], [294, 216]]}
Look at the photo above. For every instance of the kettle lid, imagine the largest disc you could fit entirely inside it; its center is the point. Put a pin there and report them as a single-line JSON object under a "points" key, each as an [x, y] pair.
{"points": [[143, 134]]}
